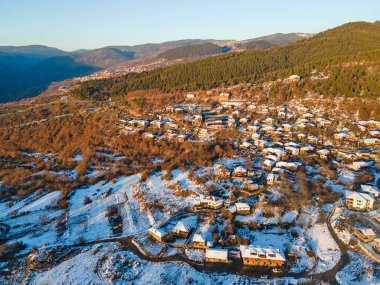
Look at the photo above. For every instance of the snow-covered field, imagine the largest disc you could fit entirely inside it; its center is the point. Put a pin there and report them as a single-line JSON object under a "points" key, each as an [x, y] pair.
{"points": [[360, 271], [324, 246], [111, 266]]}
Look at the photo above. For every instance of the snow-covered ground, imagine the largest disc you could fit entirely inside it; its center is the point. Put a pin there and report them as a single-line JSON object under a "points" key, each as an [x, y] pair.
{"points": [[360, 271], [324, 246], [111, 266]]}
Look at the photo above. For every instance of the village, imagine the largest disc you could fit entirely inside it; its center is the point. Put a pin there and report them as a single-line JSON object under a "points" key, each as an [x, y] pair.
{"points": [[292, 195], [249, 209]]}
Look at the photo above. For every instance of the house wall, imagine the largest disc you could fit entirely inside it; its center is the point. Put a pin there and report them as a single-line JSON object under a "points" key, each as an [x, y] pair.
{"points": [[200, 244], [181, 234], [216, 260], [262, 262], [156, 237]]}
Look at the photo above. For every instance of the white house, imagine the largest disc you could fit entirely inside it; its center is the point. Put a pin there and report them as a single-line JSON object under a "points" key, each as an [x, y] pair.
{"points": [[370, 190], [272, 178], [255, 256], [157, 234], [210, 202], [242, 208], [190, 95], [182, 229], [359, 201], [216, 255], [371, 141]]}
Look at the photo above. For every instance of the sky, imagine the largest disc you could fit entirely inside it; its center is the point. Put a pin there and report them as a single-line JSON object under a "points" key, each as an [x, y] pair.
{"points": [[88, 24]]}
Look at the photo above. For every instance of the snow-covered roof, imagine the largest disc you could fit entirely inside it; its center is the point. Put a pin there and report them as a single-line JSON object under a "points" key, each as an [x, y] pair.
{"points": [[221, 254], [240, 169], [182, 226], [242, 206], [288, 164], [367, 232], [248, 251], [272, 176], [198, 238], [157, 232], [277, 151], [358, 196], [370, 189]]}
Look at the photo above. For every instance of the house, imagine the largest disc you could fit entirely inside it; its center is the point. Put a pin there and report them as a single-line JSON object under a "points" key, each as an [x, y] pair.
{"points": [[323, 154], [313, 139], [371, 141], [291, 79], [376, 244], [182, 229], [359, 201], [280, 152], [190, 96], [255, 256], [239, 171], [143, 123], [216, 255], [301, 136], [225, 96], [210, 202], [268, 164], [341, 135], [157, 234], [242, 208], [365, 235], [245, 145], [287, 127], [292, 166], [221, 172], [370, 190], [272, 178], [358, 164], [183, 137], [249, 186], [307, 149], [293, 150], [200, 242]]}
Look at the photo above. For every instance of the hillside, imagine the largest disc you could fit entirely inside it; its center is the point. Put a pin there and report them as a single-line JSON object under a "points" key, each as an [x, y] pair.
{"points": [[256, 44], [103, 57], [348, 43], [153, 49], [193, 51], [280, 39]]}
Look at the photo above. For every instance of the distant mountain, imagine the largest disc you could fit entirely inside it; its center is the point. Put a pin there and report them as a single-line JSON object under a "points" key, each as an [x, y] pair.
{"points": [[151, 50], [280, 39], [103, 57], [255, 44], [23, 57], [263, 42], [193, 51]]}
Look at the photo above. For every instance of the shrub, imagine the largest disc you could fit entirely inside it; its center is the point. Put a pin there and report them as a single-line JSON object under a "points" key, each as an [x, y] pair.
{"points": [[87, 200]]}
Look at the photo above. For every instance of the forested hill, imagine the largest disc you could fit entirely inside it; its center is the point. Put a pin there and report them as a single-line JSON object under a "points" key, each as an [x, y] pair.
{"points": [[256, 44], [348, 43], [193, 51]]}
